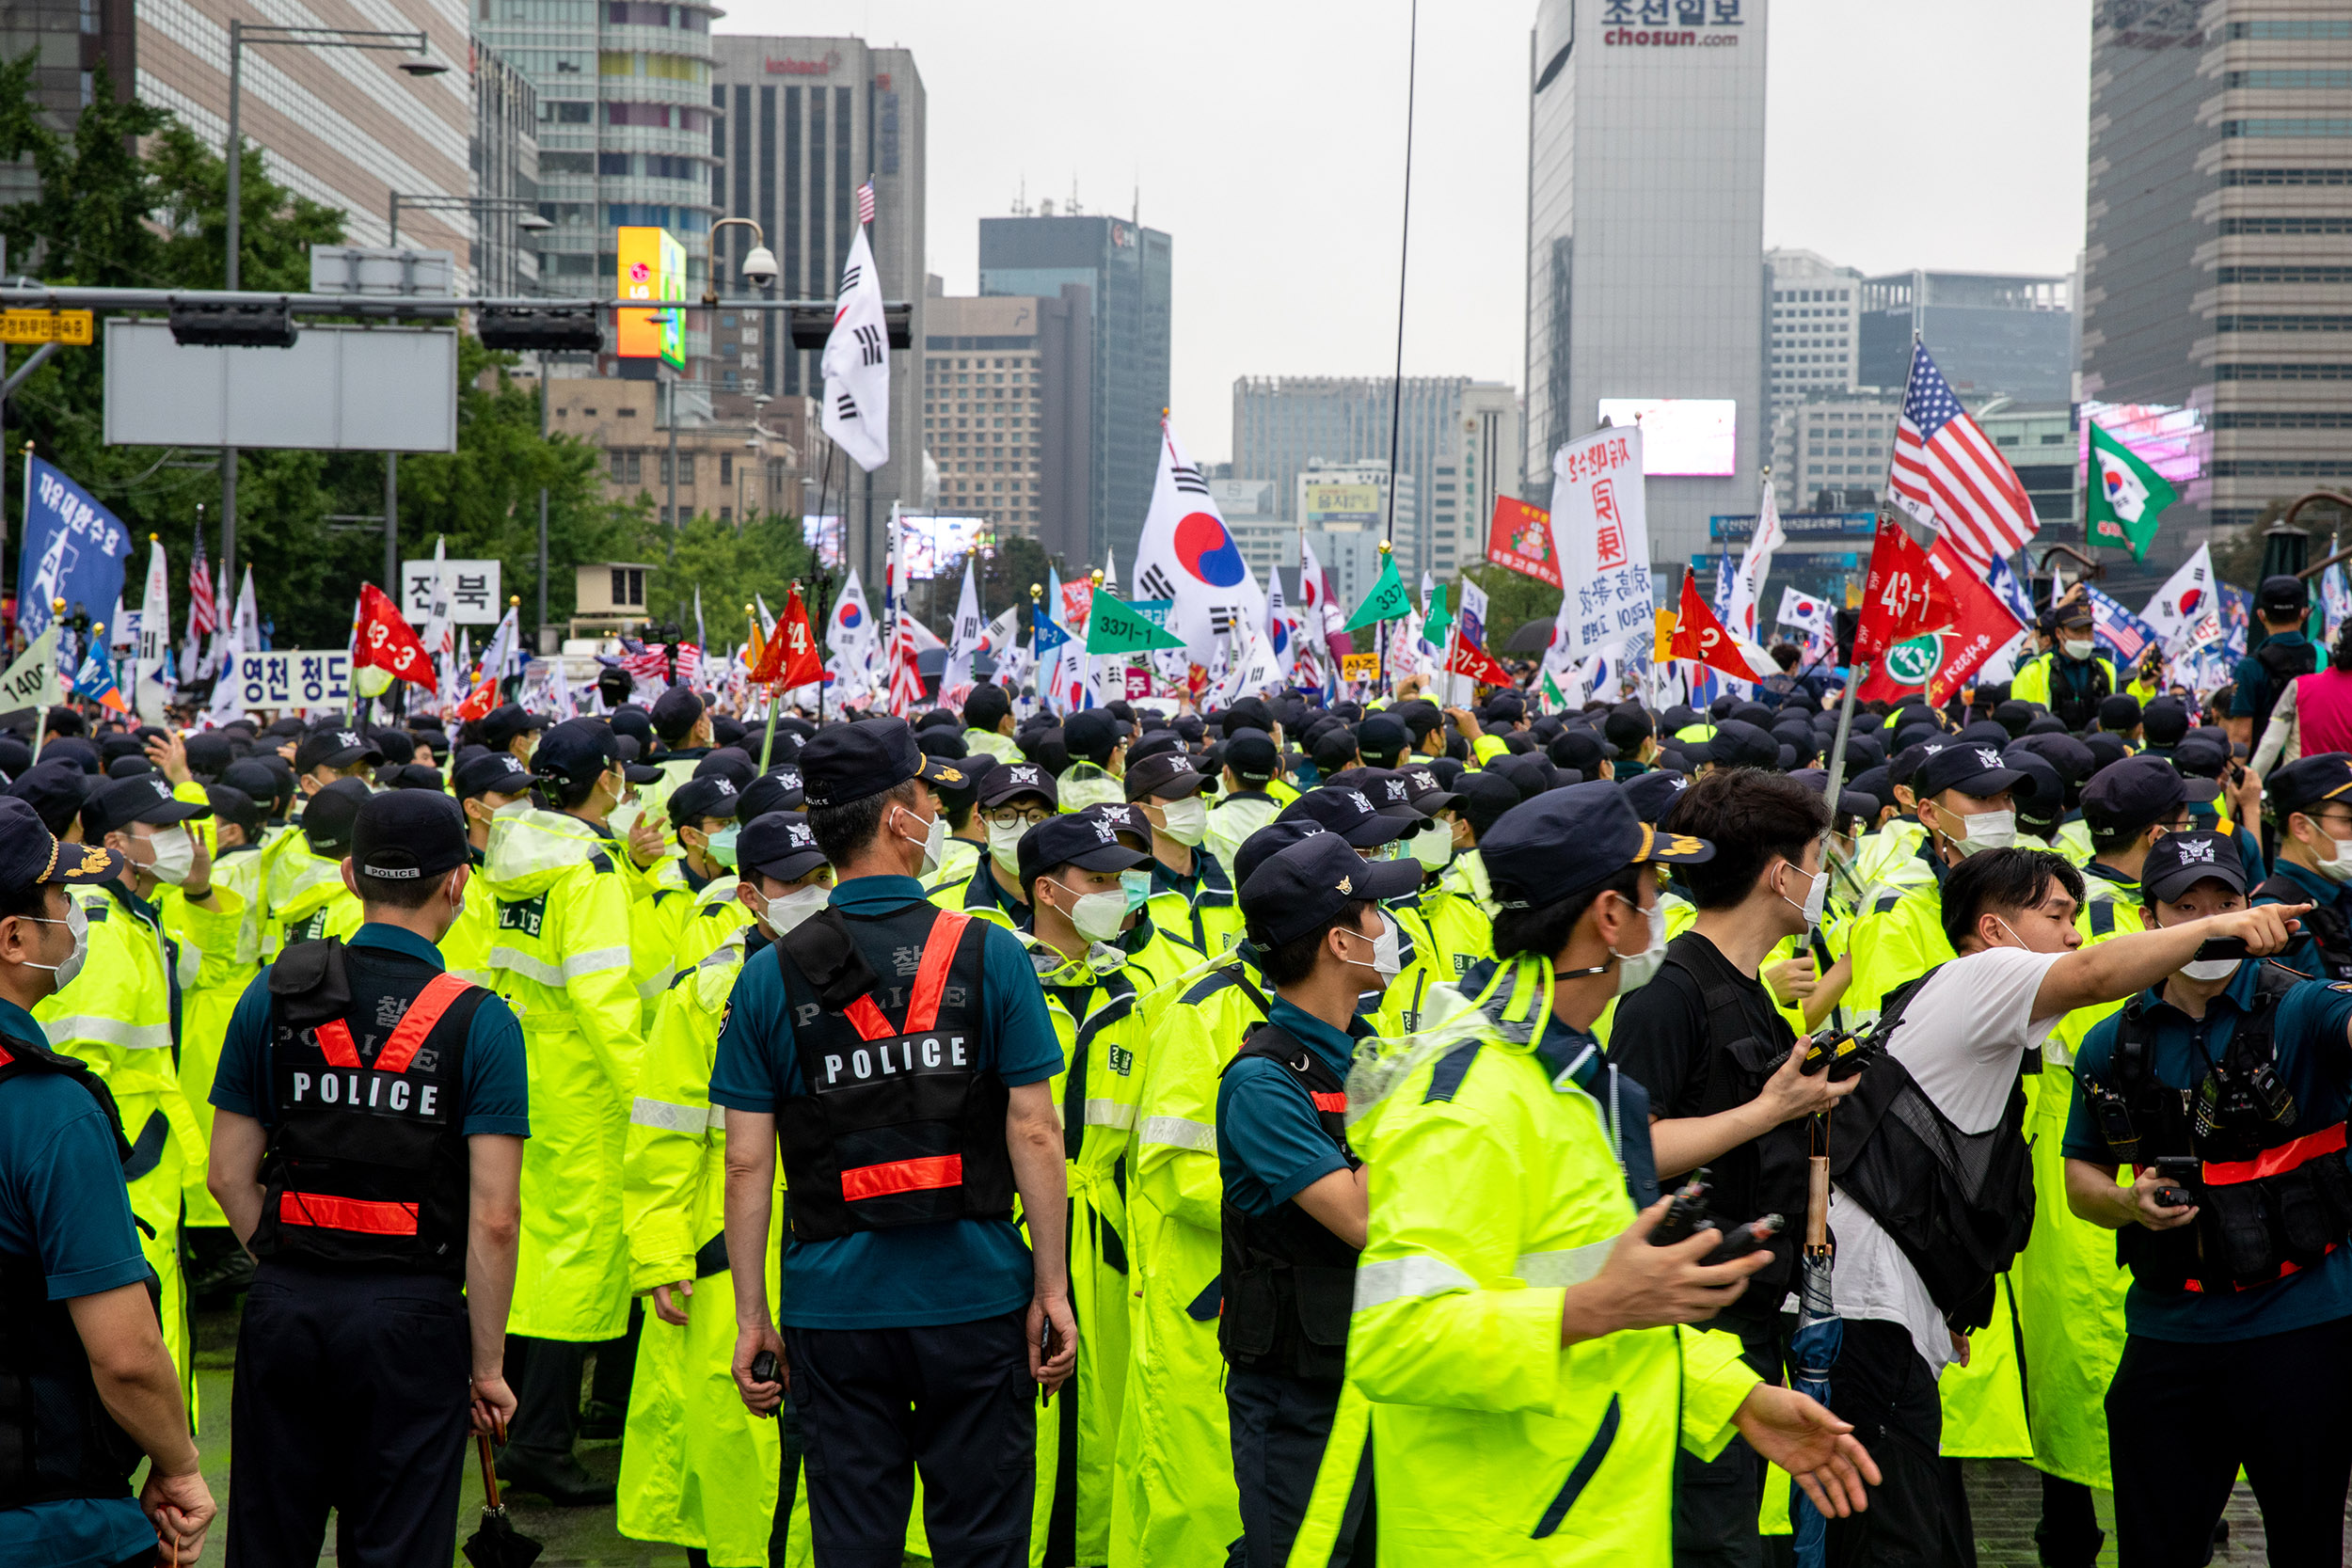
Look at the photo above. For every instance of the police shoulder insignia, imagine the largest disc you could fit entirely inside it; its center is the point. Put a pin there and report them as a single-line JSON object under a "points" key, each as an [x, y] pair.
{"points": [[2342, 985]]}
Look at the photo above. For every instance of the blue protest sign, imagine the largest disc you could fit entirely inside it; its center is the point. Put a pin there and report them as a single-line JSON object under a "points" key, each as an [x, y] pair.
{"points": [[74, 549]]}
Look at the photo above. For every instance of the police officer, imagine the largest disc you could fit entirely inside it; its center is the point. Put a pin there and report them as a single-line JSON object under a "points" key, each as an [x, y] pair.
{"points": [[2264, 676], [484, 785], [2310, 803], [1191, 895], [1294, 1205], [308, 900], [2072, 680], [83, 1367], [1512, 1322], [507, 728], [1012, 800], [904, 1052], [367, 1145], [1245, 801], [988, 722], [2128, 806], [2226, 1087]]}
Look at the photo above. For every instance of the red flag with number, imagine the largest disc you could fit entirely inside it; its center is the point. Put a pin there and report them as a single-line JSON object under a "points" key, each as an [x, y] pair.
{"points": [[1903, 597], [481, 701], [386, 641], [1697, 635], [1478, 664], [790, 657]]}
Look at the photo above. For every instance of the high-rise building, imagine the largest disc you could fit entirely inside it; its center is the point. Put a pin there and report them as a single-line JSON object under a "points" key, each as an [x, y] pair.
{"points": [[1458, 442], [1005, 412], [1817, 326], [1126, 270], [71, 46], [1833, 441], [2221, 197], [624, 132], [1257, 514], [1992, 333], [346, 127], [1342, 509], [1645, 224], [505, 161], [803, 121]]}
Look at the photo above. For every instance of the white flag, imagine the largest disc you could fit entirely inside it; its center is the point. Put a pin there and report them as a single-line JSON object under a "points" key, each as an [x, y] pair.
{"points": [[702, 637], [228, 704], [1805, 612], [1111, 568], [849, 633], [1187, 556], [437, 635], [154, 639], [767, 617], [1747, 583], [2187, 611], [503, 657], [857, 362], [1600, 538], [31, 682], [964, 637], [1255, 667], [1281, 627]]}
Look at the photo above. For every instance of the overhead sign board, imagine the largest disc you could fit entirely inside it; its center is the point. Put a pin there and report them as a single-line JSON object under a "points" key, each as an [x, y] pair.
{"points": [[295, 679], [72, 328], [339, 388], [653, 267], [474, 592]]}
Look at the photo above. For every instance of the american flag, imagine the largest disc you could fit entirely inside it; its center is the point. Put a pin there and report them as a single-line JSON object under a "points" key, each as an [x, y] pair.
{"points": [[1950, 476], [647, 664], [688, 660], [865, 202], [203, 617]]}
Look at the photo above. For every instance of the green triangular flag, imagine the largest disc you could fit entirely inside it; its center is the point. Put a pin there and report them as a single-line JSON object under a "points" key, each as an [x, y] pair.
{"points": [[1552, 694], [1386, 601], [1434, 625], [1113, 628], [2126, 496]]}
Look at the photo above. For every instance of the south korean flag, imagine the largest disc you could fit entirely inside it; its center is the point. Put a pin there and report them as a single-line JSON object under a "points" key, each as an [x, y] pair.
{"points": [[857, 363]]}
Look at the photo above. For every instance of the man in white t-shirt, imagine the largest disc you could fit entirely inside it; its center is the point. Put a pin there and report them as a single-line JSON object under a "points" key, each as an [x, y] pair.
{"points": [[1962, 1038]]}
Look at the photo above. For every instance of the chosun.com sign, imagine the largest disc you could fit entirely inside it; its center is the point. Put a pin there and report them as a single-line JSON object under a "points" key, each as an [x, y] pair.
{"points": [[1669, 38]]}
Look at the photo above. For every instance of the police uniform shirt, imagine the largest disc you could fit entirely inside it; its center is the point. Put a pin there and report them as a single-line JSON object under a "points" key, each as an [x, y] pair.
{"points": [[1269, 1145], [62, 1199], [2307, 1035], [2304, 955], [915, 1275], [385, 957]]}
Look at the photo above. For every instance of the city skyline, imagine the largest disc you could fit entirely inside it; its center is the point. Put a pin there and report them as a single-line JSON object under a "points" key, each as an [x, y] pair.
{"points": [[1305, 298]]}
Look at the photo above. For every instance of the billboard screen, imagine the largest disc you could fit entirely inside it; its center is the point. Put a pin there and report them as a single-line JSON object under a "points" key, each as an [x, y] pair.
{"points": [[2173, 441], [933, 546], [1687, 437], [653, 267], [1322, 503]]}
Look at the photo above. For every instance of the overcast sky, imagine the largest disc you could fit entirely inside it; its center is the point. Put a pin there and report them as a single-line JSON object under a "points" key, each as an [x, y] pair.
{"points": [[1268, 138]]}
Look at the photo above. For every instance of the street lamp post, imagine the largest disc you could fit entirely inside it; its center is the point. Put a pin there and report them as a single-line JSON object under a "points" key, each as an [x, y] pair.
{"points": [[529, 222], [241, 35]]}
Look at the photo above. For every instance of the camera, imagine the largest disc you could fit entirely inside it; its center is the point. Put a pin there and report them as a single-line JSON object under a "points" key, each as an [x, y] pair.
{"points": [[2180, 1173]]}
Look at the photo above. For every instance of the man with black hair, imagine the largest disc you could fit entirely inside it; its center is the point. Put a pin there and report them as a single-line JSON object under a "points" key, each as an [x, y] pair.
{"points": [[905, 1283], [988, 722], [1296, 1205], [308, 900], [2264, 676], [2072, 680], [1700, 1038], [83, 1367], [561, 957], [368, 1142], [2311, 807], [2128, 806]]}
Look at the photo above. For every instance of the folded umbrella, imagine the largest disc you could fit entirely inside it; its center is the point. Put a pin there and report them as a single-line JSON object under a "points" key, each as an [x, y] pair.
{"points": [[495, 1544]]}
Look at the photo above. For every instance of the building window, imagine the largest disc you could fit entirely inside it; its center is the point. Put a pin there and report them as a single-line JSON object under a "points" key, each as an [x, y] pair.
{"points": [[629, 586]]}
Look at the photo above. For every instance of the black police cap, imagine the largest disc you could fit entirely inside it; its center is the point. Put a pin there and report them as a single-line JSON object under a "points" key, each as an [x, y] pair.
{"points": [[736, 763], [1166, 775], [848, 762], [778, 844], [675, 713], [328, 816], [1351, 815], [1568, 842], [500, 725], [1099, 838], [490, 773], [576, 750], [1740, 744], [632, 723], [1253, 759], [334, 748], [1381, 740], [232, 804], [1272, 839], [2134, 791], [1967, 767], [411, 775], [1652, 793], [403, 836], [696, 800], [1297, 889], [30, 854], [2304, 784], [147, 799], [2179, 861], [1091, 734], [2282, 595], [778, 789], [1010, 781]]}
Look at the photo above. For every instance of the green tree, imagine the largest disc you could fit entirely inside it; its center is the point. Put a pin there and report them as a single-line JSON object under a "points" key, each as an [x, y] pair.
{"points": [[1512, 601]]}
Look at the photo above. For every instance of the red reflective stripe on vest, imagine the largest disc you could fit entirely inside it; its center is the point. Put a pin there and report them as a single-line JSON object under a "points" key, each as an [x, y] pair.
{"points": [[930, 981], [7, 1055], [902, 1176], [1328, 1102], [422, 1014], [2276, 1162], [347, 1213], [335, 1039], [931, 984]]}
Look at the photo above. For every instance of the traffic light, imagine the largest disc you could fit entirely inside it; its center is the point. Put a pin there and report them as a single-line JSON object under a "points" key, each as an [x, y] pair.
{"points": [[540, 328], [234, 325]]}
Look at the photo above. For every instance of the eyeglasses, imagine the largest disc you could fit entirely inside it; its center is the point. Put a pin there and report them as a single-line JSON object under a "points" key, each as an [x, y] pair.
{"points": [[1015, 816]]}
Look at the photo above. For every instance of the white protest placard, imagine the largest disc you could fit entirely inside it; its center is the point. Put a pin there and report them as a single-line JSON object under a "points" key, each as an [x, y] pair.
{"points": [[294, 677], [1600, 537], [474, 598]]}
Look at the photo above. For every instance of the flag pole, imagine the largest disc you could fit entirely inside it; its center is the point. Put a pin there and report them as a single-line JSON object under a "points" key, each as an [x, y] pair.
{"points": [[768, 741], [1836, 777]]}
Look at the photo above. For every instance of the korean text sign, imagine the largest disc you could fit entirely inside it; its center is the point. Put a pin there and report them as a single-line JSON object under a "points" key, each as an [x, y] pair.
{"points": [[1600, 538]]}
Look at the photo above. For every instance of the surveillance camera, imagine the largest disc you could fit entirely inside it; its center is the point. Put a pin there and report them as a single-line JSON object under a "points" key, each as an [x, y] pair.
{"points": [[759, 267]]}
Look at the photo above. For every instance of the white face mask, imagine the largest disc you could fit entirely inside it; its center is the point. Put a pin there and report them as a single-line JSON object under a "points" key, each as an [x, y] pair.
{"points": [[78, 923], [1096, 916], [2335, 865], [1989, 829], [788, 911], [1636, 970], [935, 842], [1432, 846], [1186, 822], [1388, 960], [1816, 896], [1004, 847], [175, 856], [2077, 649]]}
